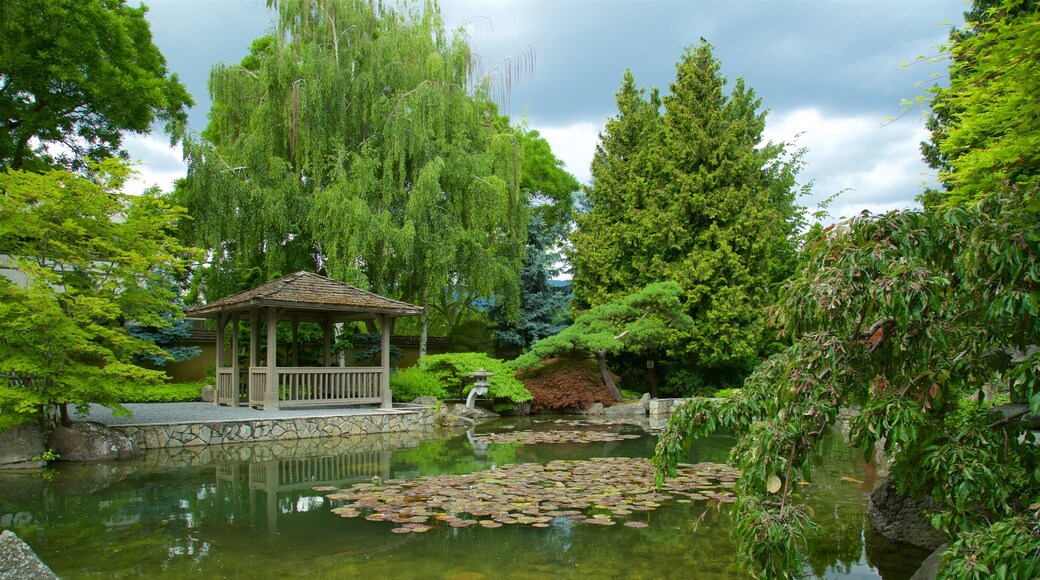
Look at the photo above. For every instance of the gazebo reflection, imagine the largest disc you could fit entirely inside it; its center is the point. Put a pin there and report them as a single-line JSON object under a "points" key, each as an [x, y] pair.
{"points": [[285, 480]]}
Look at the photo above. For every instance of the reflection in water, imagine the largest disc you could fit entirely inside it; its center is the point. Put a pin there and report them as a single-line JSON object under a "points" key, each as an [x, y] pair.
{"points": [[251, 510], [269, 478]]}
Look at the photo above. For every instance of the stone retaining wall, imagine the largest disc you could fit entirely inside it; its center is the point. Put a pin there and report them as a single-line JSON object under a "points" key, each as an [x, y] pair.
{"points": [[661, 408], [159, 436]]}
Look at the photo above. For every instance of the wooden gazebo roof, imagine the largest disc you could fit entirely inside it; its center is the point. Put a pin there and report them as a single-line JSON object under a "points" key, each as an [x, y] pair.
{"points": [[308, 294]]}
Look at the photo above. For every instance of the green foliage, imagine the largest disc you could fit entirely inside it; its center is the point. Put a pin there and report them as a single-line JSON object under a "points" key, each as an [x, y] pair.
{"points": [[472, 335], [89, 258], [370, 349], [161, 393], [684, 381], [687, 383], [356, 139], [986, 123], [77, 74], [902, 314], [453, 371], [650, 319], [544, 307], [413, 382], [170, 338], [48, 455], [548, 186], [1007, 549], [695, 197]]}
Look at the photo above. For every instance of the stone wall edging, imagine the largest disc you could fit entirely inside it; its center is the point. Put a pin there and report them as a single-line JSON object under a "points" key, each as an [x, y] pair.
{"points": [[159, 436]]}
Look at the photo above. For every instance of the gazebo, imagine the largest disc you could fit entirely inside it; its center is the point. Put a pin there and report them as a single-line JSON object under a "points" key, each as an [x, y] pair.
{"points": [[306, 297]]}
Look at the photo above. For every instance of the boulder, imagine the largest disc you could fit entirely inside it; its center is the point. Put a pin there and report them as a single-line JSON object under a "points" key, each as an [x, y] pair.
{"points": [[19, 562], [627, 409], [594, 409], [929, 569], [455, 421], [208, 394], [426, 401], [899, 518], [474, 413], [19, 444], [88, 441]]}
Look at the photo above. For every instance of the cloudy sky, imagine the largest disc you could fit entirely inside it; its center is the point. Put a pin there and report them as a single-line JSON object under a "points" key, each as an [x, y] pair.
{"points": [[829, 71]]}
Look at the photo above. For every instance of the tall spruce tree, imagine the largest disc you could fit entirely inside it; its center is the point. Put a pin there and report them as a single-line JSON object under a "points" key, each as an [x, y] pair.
{"points": [[692, 196], [356, 139], [606, 250]]}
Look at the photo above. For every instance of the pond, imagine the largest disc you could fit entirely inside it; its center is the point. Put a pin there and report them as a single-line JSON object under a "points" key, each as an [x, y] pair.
{"points": [[253, 511]]}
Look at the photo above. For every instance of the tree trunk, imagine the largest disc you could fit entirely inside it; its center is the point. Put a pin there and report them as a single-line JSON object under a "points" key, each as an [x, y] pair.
{"points": [[422, 329], [601, 358], [655, 383]]}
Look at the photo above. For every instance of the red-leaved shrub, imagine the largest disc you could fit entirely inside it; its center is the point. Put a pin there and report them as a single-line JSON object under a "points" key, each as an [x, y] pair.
{"points": [[566, 384]]}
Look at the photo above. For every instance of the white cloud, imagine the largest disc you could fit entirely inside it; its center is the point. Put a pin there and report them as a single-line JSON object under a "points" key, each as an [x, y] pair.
{"points": [[156, 163], [875, 167], [573, 144]]}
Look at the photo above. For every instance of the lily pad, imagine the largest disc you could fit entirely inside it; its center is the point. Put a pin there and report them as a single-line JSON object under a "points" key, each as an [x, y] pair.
{"points": [[602, 490]]}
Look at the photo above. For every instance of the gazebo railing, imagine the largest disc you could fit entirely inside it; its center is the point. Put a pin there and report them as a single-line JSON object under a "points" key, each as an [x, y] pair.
{"points": [[305, 473], [317, 386], [227, 390], [257, 386]]}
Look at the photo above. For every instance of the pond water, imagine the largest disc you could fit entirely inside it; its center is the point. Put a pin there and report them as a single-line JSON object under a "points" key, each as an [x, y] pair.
{"points": [[252, 511]]}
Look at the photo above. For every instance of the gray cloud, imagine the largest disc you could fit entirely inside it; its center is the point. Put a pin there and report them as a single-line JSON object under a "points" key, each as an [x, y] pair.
{"points": [[837, 59]]}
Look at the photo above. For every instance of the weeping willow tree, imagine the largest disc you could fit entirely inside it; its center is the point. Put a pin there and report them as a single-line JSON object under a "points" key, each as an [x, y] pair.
{"points": [[358, 139]]}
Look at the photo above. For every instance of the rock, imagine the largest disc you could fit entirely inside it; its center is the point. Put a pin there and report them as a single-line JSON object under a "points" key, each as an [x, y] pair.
{"points": [[626, 409], [645, 399], [208, 394], [18, 561], [474, 413], [426, 401], [594, 409], [19, 444], [87, 441], [929, 569], [462, 422], [902, 519]]}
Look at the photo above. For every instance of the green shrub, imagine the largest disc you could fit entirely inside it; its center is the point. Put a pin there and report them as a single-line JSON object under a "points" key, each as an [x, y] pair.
{"points": [[453, 370], [686, 382], [165, 393], [413, 382]]}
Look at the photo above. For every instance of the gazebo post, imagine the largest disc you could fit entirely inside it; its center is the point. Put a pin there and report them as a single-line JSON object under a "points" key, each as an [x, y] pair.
{"points": [[271, 392], [235, 383], [254, 352], [385, 322], [219, 363], [295, 342], [326, 335]]}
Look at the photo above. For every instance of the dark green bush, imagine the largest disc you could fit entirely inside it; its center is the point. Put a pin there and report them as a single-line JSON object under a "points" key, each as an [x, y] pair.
{"points": [[408, 384], [166, 393]]}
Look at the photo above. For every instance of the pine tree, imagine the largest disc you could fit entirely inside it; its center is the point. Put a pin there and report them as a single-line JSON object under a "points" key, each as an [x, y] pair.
{"points": [[695, 197], [606, 247]]}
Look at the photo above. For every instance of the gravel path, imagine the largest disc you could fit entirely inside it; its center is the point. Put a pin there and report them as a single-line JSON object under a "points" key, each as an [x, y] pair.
{"points": [[166, 413]]}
